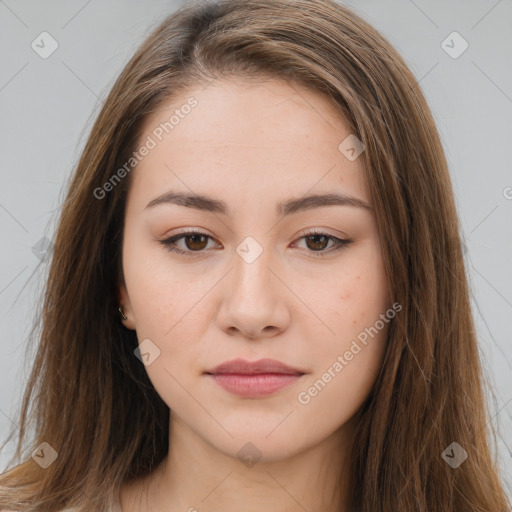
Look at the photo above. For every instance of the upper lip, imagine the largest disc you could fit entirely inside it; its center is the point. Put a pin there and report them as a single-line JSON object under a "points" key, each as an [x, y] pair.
{"points": [[241, 366]]}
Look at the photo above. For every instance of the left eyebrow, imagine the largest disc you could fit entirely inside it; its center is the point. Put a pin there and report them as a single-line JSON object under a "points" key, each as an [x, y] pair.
{"points": [[209, 204], [319, 200]]}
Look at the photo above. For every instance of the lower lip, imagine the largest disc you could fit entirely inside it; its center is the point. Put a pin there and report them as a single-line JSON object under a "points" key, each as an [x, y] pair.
{"points": [[254, 386]]}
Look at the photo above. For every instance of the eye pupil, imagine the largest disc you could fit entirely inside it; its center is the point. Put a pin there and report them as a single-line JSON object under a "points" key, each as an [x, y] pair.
{"points": [[315, 241], [195, 237]]}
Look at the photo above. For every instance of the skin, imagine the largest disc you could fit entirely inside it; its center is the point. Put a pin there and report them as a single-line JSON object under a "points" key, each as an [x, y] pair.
{"points": [[252, 145]]}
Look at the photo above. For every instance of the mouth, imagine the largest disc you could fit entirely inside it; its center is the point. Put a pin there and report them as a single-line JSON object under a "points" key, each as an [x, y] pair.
{"points": [[254, 379]]}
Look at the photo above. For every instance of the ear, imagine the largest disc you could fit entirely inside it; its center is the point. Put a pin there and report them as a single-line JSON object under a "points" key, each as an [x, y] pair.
{"points": [[126, 308]]}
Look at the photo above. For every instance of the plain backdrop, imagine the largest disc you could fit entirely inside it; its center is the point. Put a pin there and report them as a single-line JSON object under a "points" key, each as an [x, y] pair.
{"points": [[48, 104]]}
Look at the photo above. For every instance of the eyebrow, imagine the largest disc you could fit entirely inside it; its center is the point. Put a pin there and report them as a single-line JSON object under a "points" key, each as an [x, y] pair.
{"points": [[209, 204]]}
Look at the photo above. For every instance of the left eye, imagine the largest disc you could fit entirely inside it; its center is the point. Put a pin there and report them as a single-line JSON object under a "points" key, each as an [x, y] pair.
{"points": [[196, 242]]}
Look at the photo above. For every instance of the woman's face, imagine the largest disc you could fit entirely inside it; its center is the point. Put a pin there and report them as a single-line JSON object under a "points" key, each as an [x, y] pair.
{"points": [[265, 277]]}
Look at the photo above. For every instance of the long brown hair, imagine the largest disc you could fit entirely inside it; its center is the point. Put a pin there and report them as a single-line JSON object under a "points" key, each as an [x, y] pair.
{"points": [[90, 398]]}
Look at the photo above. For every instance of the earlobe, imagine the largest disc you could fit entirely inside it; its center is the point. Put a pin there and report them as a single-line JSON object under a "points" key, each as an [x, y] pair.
{"points": [[122, 314], [124, 310], [125, 316]]}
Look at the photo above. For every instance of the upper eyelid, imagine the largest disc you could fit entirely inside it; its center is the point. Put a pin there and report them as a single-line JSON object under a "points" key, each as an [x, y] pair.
{"points": [[301, 234]]}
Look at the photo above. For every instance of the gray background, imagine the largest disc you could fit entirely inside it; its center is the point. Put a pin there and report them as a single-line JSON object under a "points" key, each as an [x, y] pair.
{"points": [[47, 106]]}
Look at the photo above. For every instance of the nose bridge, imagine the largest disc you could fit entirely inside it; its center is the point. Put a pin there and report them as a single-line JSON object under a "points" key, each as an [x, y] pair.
{"points": [[251, 273], [252, 302]]}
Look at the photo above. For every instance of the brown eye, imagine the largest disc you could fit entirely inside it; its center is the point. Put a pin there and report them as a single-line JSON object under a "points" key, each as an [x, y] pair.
{"points": [[319, 242], [192, 243], [198, 243]]}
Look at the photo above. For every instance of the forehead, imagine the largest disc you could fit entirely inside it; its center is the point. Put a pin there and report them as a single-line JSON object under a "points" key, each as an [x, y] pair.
{"points": [[234, 136]]}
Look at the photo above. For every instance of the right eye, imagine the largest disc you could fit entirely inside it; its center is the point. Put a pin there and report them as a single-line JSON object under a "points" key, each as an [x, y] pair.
{"points": [[195, 242]]}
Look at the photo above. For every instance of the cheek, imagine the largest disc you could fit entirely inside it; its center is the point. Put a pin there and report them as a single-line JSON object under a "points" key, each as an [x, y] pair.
{"points": [[168, 310], [333, 397], [160, 295], [356, 296], [353, 307], [347, 364]]}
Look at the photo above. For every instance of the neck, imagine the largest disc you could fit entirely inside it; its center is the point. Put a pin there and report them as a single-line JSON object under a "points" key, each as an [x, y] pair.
{"points": [[196, 476]]}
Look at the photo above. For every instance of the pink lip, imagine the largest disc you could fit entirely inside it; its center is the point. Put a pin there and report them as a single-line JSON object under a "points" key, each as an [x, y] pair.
{"points": [[254, 379]]}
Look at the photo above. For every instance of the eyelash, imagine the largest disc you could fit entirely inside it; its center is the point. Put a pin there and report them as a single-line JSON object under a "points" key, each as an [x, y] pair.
{"points": [[170, 243]]}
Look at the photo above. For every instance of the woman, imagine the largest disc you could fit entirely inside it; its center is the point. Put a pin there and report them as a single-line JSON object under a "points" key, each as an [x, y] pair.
{"points": [[257, 298]]}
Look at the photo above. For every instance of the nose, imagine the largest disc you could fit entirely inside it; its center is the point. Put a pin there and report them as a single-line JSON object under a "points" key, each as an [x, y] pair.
{"points": [[254, 300]]}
